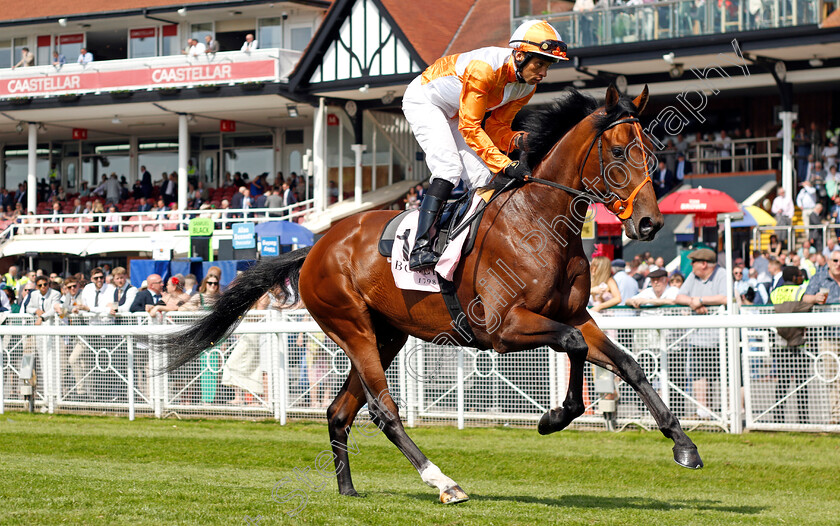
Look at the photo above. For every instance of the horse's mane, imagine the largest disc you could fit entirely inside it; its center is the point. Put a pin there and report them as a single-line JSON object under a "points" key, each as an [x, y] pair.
{"points": [[547, 126]]}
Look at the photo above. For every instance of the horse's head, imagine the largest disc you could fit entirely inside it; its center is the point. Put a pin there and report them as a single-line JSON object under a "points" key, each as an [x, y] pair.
{"points": [[618, 162]]}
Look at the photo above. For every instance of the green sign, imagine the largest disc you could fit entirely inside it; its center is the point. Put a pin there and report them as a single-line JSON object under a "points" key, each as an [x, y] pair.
{"points": [[201, 226]]}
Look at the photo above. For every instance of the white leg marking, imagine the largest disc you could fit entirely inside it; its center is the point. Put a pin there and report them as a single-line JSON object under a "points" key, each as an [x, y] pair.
{"points": [[433, 476]]}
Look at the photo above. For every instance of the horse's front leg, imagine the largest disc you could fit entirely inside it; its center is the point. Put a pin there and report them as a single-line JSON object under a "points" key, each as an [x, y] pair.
{"points": [[603, 352], [524, 330]]}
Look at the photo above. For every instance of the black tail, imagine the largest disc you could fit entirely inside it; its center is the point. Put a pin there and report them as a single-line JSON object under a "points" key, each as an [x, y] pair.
{"points": [[281, 274]]}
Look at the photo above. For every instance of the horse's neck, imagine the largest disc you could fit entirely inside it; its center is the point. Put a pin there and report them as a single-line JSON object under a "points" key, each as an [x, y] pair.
{"points": [[560, 165]]}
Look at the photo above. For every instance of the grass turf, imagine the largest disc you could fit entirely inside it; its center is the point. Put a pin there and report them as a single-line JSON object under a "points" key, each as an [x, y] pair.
{"points": [[102, 470]]}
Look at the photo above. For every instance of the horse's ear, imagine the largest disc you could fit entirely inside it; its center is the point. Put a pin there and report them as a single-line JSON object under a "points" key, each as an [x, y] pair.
{"points": [[612, 97], [641, 101]]}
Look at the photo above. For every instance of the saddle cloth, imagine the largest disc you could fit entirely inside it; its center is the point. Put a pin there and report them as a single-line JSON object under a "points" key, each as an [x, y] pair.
{"points": [[400, 234]]}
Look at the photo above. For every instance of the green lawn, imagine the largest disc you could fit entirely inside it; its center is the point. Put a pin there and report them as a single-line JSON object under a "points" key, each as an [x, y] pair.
{"points": [[103, 470]]}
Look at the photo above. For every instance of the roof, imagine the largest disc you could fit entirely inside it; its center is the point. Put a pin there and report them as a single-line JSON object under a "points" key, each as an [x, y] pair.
{"points": [[62, 8], [430, 25], [832, 20], [57, 8], [487, 24]]}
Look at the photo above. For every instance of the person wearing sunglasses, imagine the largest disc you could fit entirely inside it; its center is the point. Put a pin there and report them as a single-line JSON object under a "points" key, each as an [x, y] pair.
{"points": [[97, 295], [41, 301], [207, 294], [445, 107], [71, 299]]}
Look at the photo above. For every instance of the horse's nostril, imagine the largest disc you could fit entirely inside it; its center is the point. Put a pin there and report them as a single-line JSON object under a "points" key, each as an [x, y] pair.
{"points": [[646, 226]]}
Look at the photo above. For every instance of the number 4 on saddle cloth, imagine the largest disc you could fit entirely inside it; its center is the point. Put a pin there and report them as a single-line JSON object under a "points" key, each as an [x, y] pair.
{"points": [[397, 240]]}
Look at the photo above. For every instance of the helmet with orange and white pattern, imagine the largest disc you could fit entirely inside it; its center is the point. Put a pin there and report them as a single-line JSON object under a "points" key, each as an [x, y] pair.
{"points": [[538, 36]]}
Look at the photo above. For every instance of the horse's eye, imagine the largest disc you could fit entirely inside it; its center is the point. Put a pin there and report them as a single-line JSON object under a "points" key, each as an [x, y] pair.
{"points": [[617, 152]]}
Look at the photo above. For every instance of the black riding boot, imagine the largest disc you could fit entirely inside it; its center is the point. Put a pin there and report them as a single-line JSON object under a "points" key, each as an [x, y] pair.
{"points": [[422, 256]]}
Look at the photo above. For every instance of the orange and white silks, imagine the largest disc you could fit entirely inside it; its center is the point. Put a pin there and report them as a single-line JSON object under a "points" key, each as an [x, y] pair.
{"points": [[446, 104]]}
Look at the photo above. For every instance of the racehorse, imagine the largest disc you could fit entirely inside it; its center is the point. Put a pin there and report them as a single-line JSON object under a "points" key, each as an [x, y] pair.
{"points": [[530, 234]]}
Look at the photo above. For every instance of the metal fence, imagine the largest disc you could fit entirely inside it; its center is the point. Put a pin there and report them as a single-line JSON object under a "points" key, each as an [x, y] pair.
{"points": [[725, 372]]}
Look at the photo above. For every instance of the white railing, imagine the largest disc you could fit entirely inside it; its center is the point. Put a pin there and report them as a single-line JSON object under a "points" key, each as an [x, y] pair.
{"points": [[178, 71], [280, 365], [131, 222], [788, 233]]}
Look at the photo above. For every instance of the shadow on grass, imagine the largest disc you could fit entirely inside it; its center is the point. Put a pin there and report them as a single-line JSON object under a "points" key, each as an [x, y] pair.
{"points": [[592, 501]]}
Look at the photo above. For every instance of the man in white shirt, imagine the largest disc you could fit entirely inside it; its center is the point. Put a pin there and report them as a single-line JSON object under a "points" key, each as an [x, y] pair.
{"points": [[85, 57], [96, 298], [806, 199], [250, 44], [97, 295], [829, 152], [124, 293], [782, 208], [659, 292], [195, 49]]}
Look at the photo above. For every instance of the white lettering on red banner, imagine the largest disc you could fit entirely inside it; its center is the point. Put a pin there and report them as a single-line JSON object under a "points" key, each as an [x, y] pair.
{"points": [[88, 81], [191, 74], [71, 39], [67, 82], [148, 32]]}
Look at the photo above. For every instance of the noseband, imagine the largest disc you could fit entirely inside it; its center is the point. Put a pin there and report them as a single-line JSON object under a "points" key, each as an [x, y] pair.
{"points": [[623, 208]]}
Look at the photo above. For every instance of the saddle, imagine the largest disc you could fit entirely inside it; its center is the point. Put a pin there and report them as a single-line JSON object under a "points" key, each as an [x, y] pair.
{"points": [[448, 227], [451, 216]]}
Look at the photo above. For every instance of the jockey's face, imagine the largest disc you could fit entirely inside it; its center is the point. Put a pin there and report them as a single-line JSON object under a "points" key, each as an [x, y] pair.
{"points": [[535, 69]]}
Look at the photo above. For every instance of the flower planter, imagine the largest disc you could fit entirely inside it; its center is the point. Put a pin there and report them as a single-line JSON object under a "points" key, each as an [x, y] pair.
{"points": [[207, 89], [69, 98], [120, 95], [252, 86], [168, 92]]}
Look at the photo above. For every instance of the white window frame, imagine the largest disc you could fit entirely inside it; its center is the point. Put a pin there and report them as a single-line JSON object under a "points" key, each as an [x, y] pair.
{"points": [[55, 46], [157, 37], [283, 25], [287, 33]]}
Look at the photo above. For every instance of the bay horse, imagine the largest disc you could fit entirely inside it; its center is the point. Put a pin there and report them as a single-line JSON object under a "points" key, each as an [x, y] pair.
{"points": [[532, 233]]}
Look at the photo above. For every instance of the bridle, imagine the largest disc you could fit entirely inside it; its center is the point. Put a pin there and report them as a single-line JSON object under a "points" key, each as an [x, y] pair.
{"points": [[623, 208]]}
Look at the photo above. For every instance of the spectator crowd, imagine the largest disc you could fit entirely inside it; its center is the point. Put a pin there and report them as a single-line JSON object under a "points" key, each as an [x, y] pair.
{"points": [[104, 207]]}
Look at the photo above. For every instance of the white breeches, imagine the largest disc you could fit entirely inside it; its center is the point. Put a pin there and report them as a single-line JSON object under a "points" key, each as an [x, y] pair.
{"points": [[447, 154]]}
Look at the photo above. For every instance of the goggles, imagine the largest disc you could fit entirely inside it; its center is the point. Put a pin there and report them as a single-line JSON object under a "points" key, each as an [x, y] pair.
{"points": [[553, 47]]}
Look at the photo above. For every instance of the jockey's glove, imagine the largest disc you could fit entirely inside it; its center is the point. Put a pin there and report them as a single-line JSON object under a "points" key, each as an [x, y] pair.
{"points": [[517, 170]]}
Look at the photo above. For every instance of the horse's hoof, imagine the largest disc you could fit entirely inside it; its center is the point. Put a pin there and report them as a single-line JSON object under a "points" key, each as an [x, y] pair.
{"points": [[351, 493], [544, 427], [687, 457], [454, 495]]}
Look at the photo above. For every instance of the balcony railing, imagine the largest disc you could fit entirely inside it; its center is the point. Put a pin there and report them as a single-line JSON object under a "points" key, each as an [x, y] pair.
{"points": [[146, 222], [739, 155], [170, 72], [614, 24]]}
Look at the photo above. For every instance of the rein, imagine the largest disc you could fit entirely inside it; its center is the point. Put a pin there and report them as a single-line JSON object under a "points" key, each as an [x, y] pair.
{"points": [[623, 208]]}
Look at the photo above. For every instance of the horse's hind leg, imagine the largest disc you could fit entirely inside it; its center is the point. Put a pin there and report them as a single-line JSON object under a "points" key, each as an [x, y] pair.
{"points": [[385, 414], [345, 407], [346, 319], [605, 353], [340, 415]]}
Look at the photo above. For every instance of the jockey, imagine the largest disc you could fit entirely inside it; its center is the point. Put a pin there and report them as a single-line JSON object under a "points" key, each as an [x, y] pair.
{"points": [[446, 104]]}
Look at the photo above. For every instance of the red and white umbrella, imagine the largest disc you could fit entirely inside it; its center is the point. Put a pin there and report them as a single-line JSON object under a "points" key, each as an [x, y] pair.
{"points": [[704, 203]]}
